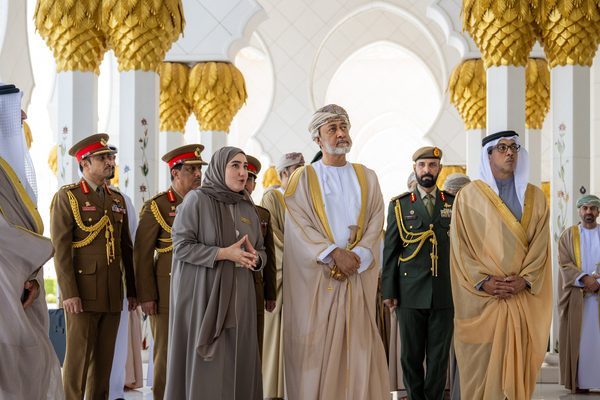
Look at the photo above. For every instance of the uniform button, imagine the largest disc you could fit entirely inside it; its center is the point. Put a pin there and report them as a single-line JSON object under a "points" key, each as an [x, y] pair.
{"points": [[80, 271], [410, 227], [89, 220], [169, 274], [105, 212], [405, 274]]}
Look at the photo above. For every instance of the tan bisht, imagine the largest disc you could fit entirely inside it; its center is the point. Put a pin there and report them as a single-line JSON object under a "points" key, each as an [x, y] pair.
{"points": [[272, 362], [500, 344], [570, 305], [332, 346], [30, 368]]}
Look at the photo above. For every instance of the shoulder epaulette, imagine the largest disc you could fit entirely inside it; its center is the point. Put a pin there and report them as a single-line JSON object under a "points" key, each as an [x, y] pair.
{"points": [[70, 186], [400, 196], [156, 196]]}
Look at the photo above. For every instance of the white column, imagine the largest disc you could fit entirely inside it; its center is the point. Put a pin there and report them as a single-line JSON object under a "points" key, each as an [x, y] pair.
{"points": [[167, 141], [474, 137], [138, 138], [505, 99], [77, 97], [212, 141], [533, 144], [570, 103], [595, 129]]}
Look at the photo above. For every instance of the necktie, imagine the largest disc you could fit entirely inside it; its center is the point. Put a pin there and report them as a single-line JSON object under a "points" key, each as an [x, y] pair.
{"points": [[429, 204], [100, 192]]}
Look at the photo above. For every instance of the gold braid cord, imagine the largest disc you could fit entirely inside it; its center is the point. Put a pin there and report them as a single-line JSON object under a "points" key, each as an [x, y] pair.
{"points": [[504, 30], [537, 93], [467, 86], [163, 224], [93, 230], [216, 91], [570, 30], [141, 31], [420, 237], [174, 106], [71, 28]]}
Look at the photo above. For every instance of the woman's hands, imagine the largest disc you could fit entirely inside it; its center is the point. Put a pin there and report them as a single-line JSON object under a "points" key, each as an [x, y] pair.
{"points": [[241, 252]]}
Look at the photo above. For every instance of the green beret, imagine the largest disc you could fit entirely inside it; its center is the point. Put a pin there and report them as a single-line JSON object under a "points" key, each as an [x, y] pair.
{"points": [[589, 199], [427, 152]]}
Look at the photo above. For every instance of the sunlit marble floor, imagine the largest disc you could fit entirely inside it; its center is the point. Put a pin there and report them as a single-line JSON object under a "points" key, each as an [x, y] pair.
{"points": [[544, 391]]}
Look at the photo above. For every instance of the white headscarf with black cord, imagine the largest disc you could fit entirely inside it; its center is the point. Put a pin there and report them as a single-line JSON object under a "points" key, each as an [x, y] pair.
{"points": [[13, 147], [521, 171]]}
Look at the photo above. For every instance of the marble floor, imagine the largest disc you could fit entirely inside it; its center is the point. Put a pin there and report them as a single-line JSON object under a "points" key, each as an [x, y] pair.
{"points": [[544, 391]]}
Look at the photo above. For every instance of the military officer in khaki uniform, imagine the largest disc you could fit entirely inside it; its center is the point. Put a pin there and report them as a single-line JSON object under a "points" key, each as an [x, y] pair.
{"points": [[265, 282], [153, 250], [89, 230], [416, 277]]}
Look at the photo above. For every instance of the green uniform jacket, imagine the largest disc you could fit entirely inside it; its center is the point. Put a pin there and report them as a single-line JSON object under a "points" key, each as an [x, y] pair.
{"points": [[411, 282]]}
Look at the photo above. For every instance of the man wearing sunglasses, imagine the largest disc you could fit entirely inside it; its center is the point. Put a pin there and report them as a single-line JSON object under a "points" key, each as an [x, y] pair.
{"points": [[500, 274]]}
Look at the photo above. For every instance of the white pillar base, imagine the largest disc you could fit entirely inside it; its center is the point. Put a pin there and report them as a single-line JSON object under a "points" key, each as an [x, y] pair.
{"points": [[167, 141], [570, 103], [138, 139], [77, 97], [474, 137], [505, 99], [533, 144], [212, 141]]}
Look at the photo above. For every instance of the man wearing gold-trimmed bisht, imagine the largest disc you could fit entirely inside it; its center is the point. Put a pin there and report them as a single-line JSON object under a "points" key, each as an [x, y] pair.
{"points": [[501, 275], [416, 277], [333, 231], [30, 368], [264, 281], [90, 232], [579, 333], [273, 382], [153, 250]]}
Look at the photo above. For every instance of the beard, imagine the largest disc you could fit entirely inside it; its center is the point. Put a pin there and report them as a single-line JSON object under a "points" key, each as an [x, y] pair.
{"points": [[112, 174], [589, 218], [427, 180], [337, 150]]}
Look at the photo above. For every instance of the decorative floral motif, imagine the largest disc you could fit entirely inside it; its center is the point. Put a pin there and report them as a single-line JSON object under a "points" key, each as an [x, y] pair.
{"points": [[126, 173], [62, 147], [562, 195], [145, 169]]}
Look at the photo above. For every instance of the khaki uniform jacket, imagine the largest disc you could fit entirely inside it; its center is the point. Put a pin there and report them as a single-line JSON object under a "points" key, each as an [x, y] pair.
{"points": [[87, 264], [269, 272], [152, 252]]}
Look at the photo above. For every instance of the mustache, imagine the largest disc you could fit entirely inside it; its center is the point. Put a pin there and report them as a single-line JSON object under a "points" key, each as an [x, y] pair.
{"points": [[427, 175]]}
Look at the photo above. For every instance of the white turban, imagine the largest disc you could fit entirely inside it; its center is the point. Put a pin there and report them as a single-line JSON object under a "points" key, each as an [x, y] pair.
{"points": [[454, 182], [324, 115], [288, 160]]}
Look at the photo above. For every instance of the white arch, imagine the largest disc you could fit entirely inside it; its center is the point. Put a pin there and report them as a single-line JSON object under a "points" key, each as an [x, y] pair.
{"points": [[394, 9]]}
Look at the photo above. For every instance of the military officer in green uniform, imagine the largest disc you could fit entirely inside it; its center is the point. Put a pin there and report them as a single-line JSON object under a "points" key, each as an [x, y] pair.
{"points": [[416, 277], [153, 250], [90, 232], [265, 282]]}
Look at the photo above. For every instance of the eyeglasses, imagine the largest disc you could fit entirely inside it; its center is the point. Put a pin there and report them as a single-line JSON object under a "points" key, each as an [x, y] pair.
{"points": [[503, 148]]}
